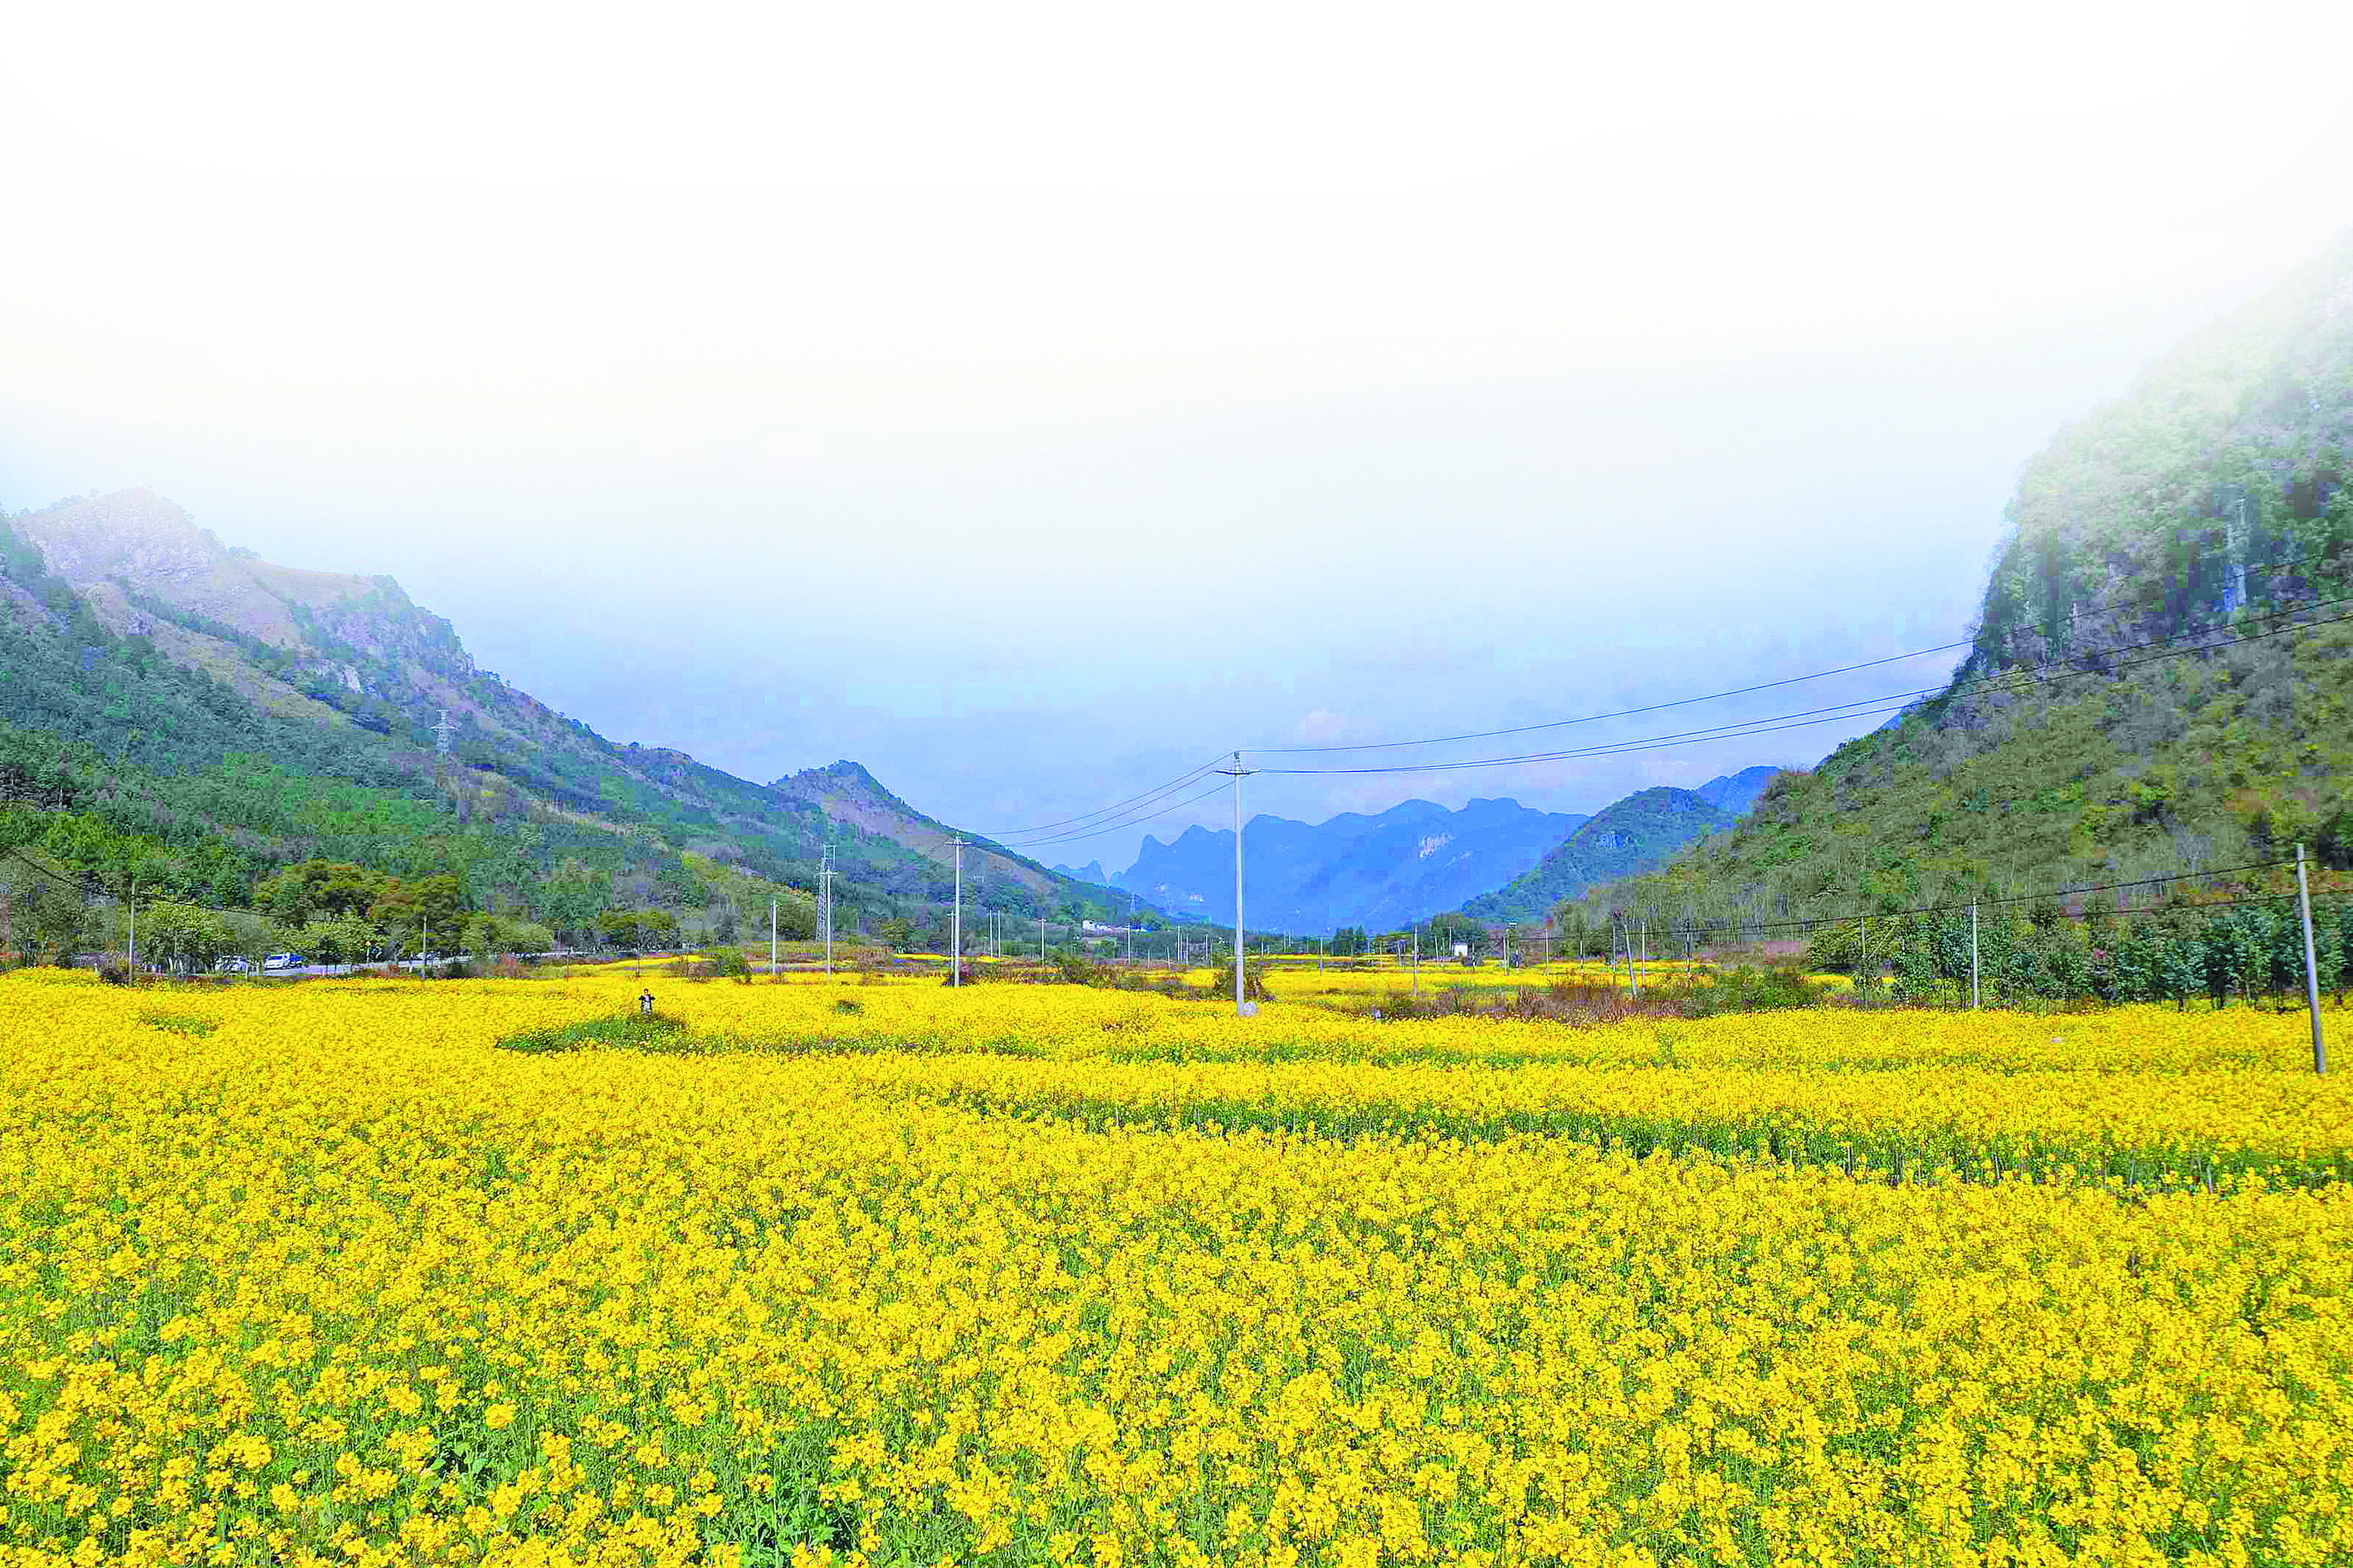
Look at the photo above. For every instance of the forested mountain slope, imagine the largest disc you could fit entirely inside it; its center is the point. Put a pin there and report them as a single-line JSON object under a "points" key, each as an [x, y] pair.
{"points": [[2161, 678], [1636, 834], [221, 716]]}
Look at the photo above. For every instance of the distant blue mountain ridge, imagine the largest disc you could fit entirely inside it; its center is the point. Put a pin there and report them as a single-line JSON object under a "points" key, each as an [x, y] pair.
{"points": [[1380, 871], [1736, 792]]}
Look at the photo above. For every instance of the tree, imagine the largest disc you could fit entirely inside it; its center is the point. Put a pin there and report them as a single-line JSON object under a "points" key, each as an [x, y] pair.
{"points": [[52, 920], [624, 928], [409, 912], [485, 935], [328, 888], [640, 930], [250, 935], [181, 936], [339, 939]]}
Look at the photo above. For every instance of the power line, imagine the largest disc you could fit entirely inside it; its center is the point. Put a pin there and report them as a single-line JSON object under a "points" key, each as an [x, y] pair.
{"points": [[1596, 718], [1176, 783], [2008, 683], [81, 888], [2073, 611], [1815, 922], [1116, 827], [1148, 806]]}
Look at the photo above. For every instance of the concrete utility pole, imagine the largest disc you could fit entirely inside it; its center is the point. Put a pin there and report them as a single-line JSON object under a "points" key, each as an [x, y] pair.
{"points": [[955, 924], [1973, 955], [2311, 966], [824, 876], [772, 936], [1041, 940], [1242, 1008], [2234, 544]]}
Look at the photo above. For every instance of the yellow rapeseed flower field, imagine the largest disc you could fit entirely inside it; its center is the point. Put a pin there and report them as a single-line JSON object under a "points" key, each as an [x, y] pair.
{"points": [[885, 1273]]}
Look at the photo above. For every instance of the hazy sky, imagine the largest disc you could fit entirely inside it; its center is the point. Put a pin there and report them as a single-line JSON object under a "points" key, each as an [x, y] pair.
{"points": [[1031, 401]]}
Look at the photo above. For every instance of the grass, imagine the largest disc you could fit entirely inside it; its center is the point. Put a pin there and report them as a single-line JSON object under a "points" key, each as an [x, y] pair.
{"points": [[190, 1023], [624, 1031]]}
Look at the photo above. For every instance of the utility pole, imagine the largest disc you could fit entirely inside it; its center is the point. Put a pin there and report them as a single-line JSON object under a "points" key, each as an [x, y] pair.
{"points": [[1242, 1008], [824, 876], [772, 938], [2234, 590], [955, 924], [2311, 966], [1973, 955], [1416, 960], [1041, 941]]}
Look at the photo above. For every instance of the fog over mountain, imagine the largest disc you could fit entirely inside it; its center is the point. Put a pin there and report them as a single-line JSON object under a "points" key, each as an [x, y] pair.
{"points": [[1188, 393]]}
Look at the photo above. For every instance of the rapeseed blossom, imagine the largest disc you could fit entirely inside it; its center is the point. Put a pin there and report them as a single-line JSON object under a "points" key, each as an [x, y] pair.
{"points": [[1042, 1275]]}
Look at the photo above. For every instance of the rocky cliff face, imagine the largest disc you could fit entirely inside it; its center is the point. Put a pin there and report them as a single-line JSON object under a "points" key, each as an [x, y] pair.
{"points": [[134, 544]]}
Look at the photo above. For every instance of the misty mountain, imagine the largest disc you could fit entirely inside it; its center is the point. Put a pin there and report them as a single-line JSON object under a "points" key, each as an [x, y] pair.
{"points": [[2161, 668], [1409, 862], [1737, 792], [1092, 872], [237, 715]]}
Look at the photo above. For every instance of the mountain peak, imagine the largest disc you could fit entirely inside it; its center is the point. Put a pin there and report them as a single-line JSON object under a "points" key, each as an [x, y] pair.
{"points": [[118, 550], [1635, 834], [1408, 862]]}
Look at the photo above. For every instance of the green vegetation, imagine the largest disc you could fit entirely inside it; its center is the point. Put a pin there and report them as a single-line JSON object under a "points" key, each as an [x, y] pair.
{"points": [[2155, 685], [189, 1024], [149, 750], [2249, 952], [622, 1031], [1638, 833]]}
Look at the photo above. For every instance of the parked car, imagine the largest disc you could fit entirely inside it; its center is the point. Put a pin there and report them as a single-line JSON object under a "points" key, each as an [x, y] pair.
{"points": [[284, 961], [235, 966]]}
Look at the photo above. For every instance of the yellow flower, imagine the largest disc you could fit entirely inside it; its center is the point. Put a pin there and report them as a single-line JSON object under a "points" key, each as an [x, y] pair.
{"points": [[1108, 1278]]}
